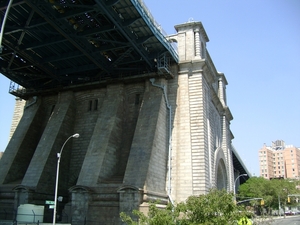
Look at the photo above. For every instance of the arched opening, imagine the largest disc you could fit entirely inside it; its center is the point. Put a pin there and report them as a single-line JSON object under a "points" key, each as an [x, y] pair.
{"points": [[221, 181]]}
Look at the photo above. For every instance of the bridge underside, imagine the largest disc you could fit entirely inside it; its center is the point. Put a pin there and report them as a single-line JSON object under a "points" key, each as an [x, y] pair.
{"points": [[83, 66], [50, 45]]}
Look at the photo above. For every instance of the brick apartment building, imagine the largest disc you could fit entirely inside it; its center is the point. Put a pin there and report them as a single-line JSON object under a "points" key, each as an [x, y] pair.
{"points": [[279, 161]]}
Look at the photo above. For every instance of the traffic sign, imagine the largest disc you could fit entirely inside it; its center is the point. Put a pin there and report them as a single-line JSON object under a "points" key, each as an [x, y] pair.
{"points": [[48, 202]]}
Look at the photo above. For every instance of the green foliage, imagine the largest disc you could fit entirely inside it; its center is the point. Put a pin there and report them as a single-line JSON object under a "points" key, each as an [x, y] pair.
{"points": [[156, 216], [216, 207], [272, 191]]}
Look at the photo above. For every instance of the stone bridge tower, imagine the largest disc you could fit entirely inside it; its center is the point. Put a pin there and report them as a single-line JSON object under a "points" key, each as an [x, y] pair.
{"points": [[148, 139], [201, 136]]}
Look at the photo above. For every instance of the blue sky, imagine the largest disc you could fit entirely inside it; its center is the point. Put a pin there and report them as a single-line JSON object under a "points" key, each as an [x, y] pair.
{"points": [[256, 44]]}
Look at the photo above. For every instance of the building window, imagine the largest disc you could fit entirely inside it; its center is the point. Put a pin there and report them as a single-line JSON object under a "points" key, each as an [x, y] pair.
{"points": [[93, 105]]}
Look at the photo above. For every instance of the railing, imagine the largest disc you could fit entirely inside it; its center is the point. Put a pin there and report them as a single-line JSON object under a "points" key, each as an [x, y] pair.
{"points": [[148, 13], [7, 215], [161, 34], [16, 89]]}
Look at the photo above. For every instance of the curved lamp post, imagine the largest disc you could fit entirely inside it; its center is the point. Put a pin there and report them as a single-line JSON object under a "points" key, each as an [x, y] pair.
{"points": [[57, 174], [241, 175], [3, 24]]}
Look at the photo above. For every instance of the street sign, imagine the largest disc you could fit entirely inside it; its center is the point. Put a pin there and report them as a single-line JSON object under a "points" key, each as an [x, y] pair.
{"points": [[51, 206], [48, 202]]}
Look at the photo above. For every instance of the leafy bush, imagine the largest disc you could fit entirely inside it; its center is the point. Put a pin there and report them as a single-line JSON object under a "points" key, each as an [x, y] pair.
{"points": [[216, 207]]}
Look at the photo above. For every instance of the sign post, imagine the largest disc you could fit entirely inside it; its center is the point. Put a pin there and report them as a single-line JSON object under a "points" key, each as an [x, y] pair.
{"points": [[50, 203]]}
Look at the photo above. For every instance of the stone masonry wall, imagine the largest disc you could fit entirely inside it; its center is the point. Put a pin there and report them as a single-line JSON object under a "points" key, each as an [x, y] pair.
{"points": [[88, 105], [18, 113], [199, 147], [157, 169], [144, 142], [22, 145], [181, 136], [40, 171], [104, 141]]}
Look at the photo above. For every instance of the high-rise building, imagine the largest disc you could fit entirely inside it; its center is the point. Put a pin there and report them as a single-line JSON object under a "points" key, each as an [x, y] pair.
{"points": [[279, 161]]}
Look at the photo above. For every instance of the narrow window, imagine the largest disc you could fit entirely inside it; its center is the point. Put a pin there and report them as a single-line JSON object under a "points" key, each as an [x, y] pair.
{"points": [[96, 104]]}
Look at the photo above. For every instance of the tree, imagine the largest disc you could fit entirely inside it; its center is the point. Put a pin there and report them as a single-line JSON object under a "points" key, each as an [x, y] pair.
{"points": [[258, 187], [156, 216], [272, 191], [216, 207]]}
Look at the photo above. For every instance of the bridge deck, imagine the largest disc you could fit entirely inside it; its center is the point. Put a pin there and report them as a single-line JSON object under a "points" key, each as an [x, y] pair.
{"points": [[57, 44]]}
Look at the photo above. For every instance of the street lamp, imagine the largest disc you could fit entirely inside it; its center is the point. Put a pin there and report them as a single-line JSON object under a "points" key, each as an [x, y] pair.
{"points": [[242, 175], [57, 174], [3, 24]]}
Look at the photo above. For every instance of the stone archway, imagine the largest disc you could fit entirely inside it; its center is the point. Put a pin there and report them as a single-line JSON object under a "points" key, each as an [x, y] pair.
{"points": [[221, 181], [221, 170]]}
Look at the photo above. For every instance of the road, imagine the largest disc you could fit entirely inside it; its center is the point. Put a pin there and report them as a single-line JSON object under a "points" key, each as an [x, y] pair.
{"points": [[289, 220]]}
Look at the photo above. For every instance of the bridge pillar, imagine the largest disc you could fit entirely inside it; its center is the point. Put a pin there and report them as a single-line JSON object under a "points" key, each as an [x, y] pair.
{"points": [[201, 146], [44, 160], [77, 212], [22, 144]]}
